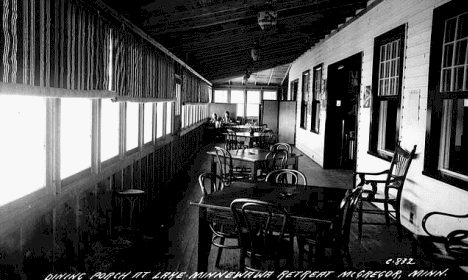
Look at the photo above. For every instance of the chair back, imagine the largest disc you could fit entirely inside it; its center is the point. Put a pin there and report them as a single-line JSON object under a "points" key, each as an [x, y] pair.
{"points": [[261, 227], [342, 223], [275, 160], [231, 140], [287, 176], [266, 139], [399, 167], [224, 163], [281, 146], [210, 183]]}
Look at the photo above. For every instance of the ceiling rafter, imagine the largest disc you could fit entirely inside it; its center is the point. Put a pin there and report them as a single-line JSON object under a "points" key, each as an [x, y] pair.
{"points": [[215, 37]]}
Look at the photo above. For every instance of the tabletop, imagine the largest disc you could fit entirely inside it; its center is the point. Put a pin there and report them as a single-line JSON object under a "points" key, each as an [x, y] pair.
{"points": [[311, 202], [251, 154]]}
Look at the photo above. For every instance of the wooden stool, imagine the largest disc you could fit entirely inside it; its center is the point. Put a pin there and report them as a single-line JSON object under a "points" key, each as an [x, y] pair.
{"points": [[132, 195]]}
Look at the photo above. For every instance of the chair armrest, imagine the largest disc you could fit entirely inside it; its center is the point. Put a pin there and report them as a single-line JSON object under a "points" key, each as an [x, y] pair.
{"points": [[428, 215], [361, 174]]}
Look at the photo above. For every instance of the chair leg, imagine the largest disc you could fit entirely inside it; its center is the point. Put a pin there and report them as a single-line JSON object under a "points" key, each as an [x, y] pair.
{"points": [[220, 251], [300, 245], [398, 221], [387, 214], [360, 219]]}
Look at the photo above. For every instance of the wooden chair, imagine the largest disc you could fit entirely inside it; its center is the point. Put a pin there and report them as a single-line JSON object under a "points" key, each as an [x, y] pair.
{"points": [[274, 160], [335, 235], [445, 250], [287, 176], [265, 140], [281, 146], [226, 169], [231, 142], [210, 183], [262, 228], [395, 179]]}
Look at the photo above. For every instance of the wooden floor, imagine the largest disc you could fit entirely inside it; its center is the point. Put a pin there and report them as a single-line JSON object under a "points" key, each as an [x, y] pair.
{"points": [[166, 240]]}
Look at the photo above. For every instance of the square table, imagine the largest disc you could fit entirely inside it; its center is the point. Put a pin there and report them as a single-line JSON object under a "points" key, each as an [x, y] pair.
{"points": [[308, 206], [252, 158]]}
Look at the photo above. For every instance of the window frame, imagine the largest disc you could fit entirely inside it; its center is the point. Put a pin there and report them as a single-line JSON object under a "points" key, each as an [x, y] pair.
{"points": [[315, 121], [435, 100], [375, 128], [305, 92], [294, 89]]}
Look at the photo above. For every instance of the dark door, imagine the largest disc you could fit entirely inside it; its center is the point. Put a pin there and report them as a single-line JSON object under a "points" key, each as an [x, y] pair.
{"points": [[344, 79], [286, 123]]}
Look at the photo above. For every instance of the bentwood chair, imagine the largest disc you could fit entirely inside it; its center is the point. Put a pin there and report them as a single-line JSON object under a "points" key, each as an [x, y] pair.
{"points": [[281, 146], [226, 169], [335, 235], [274, 160], [265, 140], [210, 183], [262, 234], [231, 141], [393, 183], [287, 176], [445, 249]]}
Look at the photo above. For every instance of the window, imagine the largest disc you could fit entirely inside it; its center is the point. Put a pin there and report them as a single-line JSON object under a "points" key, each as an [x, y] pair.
{"points": [[386, 91], [270, 95], [75, 135], [238, 97], [316, 92], [178, 97], [305, 98], [169, 118], [22, 146], [159, 119], [148, 122], [109, 129], [253, 103], [447, 135], [292, 94], [220, 96], [132, 125]]}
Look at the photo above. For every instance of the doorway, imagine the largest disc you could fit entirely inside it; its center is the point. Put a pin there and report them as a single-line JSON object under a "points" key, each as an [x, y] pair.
{"points": [[343, 87]]}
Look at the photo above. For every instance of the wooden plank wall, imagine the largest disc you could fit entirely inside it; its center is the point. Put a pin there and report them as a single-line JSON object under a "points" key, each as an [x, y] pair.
{"points": [[56, 239]]}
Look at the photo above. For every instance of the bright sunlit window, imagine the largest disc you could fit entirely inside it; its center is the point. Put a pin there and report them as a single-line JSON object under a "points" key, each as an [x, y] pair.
{"points": [[269, 95], [132, 125], [75, 135], [148, 120], [169, 118], [22, 146], [159, 119], [109, 129], [220, 96]]}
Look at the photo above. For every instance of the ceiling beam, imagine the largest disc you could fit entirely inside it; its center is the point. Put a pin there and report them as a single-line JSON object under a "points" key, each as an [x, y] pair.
{"points": [[271, 75]]}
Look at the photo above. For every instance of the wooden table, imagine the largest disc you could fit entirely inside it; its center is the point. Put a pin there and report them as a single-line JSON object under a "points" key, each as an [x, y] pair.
{"points": [[252, 158], [309, 206], [247, 136]]}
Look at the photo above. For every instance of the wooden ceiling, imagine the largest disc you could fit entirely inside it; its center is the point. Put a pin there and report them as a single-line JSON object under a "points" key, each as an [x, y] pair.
{"points": [[215, 37]]}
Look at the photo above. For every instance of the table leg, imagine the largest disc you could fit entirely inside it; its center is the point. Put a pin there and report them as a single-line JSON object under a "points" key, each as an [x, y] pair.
{"points": [[204, 241], [254, 172], [213, 165]]}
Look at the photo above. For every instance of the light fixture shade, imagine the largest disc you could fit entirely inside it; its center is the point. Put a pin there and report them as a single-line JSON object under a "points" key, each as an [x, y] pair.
{"points": [[267, 19], [255, 53]]}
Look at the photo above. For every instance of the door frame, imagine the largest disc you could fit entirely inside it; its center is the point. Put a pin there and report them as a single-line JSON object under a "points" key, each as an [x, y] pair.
{"points": [[332, 98]]}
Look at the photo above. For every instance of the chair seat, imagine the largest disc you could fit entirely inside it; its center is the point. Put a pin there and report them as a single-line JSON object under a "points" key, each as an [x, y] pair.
{"points": [[378, 197]]}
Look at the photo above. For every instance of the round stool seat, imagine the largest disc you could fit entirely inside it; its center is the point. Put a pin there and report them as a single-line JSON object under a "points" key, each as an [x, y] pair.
{"points": [[131, 192]]}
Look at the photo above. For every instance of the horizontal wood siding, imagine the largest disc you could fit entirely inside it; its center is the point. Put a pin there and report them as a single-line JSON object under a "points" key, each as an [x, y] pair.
{"points": [[421, 194]]}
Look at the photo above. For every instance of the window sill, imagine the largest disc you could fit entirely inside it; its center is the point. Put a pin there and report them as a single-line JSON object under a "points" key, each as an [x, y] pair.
{"points": [[437, 175], [378, 155]]}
